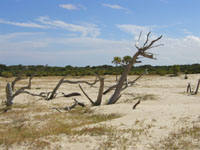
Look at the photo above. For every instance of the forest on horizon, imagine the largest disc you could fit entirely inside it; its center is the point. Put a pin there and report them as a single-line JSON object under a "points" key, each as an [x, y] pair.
{"points": [[40, 70]]}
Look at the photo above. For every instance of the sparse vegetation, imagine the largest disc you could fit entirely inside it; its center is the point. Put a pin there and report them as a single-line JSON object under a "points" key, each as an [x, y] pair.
{"points": [[186, 138], [125, 138], [23, 128]]}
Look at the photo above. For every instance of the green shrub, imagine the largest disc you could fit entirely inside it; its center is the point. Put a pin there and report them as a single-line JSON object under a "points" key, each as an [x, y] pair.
{"points": [[6, 74]]}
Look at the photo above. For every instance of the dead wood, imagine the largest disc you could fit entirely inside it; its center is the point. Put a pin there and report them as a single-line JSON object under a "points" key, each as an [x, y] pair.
{"points": [[76, 103], [53, 93], [100, 93], [15, 81], [71, 94], [197, 88], [68, 108], [130, 83], [134, 106], [189, 88], [142, 51], [10, 94]]}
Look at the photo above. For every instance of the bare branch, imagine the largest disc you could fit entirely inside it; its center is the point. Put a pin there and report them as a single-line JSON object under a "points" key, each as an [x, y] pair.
{"points": [[71, 94], [130, 82], [147, 39], [100, 94], [133, 82], [10, 96], [15, 81], [74, 105], [134, 106], [151, 44], [81, 82], [86, 95], [156, 46], [136, 44], [29, 84], [53, 93], [32, 94], [147, 55]]}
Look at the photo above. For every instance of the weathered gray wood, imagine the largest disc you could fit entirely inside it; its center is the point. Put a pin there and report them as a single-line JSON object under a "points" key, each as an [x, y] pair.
{"points": [[141, 52], [53, 93], [197, 88], [10, 94], [55, 89], [91, 101], [189, 88], [9, 97], [71, 94], [130, 83], [100, 93]]}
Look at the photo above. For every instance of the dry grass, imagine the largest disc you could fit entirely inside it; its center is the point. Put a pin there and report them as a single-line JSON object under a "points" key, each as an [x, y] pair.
{"points": [[125, 138], [186, 138], [19, 127]]}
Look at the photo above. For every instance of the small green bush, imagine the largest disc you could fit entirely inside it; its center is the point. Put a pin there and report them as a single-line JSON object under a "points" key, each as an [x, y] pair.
{"points": [[6, 74]]}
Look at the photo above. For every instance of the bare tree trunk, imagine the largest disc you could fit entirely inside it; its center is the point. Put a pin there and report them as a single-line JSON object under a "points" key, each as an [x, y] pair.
{"points": [[189, 88], [99, 97], [100, 94], [55, 89], [10, 95], [123, 77], [197, 88]]}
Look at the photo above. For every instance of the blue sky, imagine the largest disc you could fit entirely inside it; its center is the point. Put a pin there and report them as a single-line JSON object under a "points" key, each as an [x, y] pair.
{"points": [[92, 32]]}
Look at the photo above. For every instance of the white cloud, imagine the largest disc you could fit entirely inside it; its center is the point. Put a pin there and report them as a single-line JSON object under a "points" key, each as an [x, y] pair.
{"points": [[21, 24], [68, 6], [46, 23], [134, 29], [113, 6], [116, 7], [72, 7], [89, 29]]}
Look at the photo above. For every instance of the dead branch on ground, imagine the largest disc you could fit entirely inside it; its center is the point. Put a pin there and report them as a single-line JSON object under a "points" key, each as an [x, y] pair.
{"points": [[68, 108], [134, 106], [53, 93]]}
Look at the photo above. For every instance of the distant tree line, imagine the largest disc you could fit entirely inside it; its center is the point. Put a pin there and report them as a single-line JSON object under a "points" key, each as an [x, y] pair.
{"points": [[15, 70]]}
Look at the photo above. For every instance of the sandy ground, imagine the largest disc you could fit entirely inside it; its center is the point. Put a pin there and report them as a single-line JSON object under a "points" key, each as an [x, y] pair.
{"points": [[170, 108]]}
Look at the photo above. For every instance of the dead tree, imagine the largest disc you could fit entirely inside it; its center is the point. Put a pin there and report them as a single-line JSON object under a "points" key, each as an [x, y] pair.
{"points": [[142, 51], [197, 88], [189, 88], [11, 94], [100, 93], [53, 93]]}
